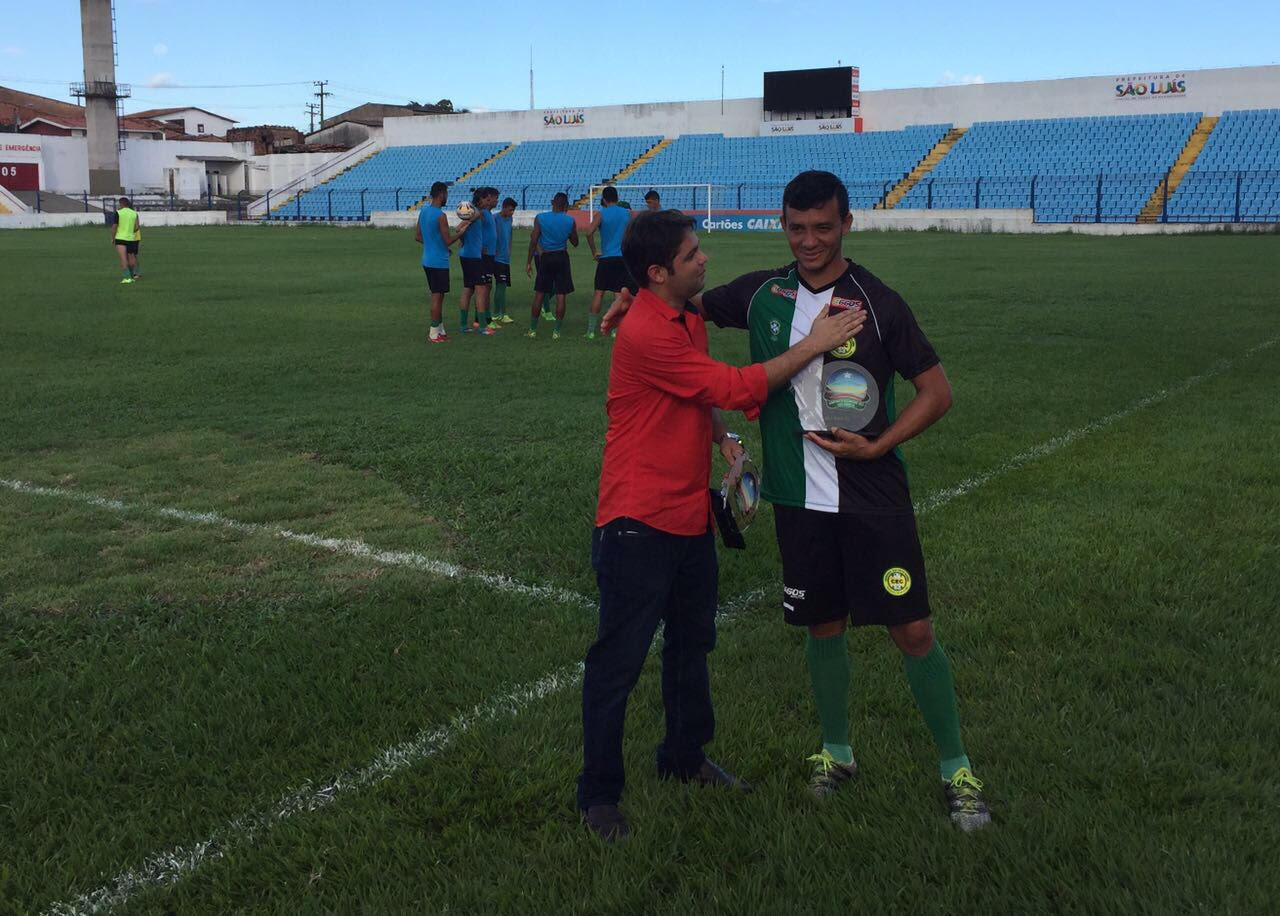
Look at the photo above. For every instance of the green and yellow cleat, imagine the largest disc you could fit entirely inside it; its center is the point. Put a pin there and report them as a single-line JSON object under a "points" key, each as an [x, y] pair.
{"points": [[829, 774], [964, 801]]}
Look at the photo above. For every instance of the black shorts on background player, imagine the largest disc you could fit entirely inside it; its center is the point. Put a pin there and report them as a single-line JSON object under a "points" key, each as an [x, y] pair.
{"points": [[612, 275], [490, 268], [129, 247], [437, 279], [474, 273], [553, 273], [502, 273], [865, 566]]}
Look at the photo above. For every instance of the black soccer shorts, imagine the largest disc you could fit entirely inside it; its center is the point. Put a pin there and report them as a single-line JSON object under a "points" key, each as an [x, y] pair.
{"points": [[866, 567], [437, 279], [554, 274]]}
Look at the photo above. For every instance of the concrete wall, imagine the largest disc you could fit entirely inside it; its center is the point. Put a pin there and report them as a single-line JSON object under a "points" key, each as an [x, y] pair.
{"points": [[276, 170], [65, 163], [741, 118], [344, 133], [143, 164], [150, 218], [1208, 91]]}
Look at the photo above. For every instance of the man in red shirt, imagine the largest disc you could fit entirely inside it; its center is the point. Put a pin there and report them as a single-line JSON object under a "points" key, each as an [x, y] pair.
{"points": [[652, 549]]}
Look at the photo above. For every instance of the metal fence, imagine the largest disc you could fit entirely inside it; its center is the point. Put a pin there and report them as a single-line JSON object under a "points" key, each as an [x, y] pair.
{"points": [[84, 202], [1208, 197]]}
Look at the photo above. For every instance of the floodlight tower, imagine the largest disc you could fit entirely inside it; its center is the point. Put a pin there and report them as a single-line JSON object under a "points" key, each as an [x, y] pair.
{"points": [[101, 95]]}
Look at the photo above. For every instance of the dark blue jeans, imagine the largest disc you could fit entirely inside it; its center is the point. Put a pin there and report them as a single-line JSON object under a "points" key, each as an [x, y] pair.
{"points": [[647, 576]]}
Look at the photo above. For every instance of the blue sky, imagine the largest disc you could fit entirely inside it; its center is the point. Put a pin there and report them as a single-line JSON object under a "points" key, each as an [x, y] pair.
{"points": [[585, 54]]}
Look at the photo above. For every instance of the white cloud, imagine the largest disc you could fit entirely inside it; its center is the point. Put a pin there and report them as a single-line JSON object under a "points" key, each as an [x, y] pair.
{"points": [[12, 51], [161, 49], [159, 80], [949, 78]]}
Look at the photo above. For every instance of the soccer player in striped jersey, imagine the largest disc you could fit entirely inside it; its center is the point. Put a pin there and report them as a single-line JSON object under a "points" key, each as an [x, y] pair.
{"points": [[845, 522]]}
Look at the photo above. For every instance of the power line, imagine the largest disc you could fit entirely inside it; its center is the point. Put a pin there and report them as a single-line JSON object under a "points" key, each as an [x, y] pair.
{"points": [[320, 94]]}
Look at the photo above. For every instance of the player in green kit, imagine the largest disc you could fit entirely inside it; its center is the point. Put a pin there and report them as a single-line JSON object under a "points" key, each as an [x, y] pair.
{"points": [[126, 235], [845, 523], [553, 232], [611, 270]]}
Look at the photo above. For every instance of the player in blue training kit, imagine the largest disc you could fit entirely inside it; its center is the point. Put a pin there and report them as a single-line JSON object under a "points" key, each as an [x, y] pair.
{"points": [[502, 260], [611, 271], [553, 232], [475, 281], [432, 230], [489, 237]]}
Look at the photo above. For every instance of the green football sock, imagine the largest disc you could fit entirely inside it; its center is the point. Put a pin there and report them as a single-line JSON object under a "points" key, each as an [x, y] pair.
{"points": [[533, 322], [829, 676], [592, 321], [935, 691], [483, 318], [558, 320], [462, 319], [500, 300], [127, 273]]}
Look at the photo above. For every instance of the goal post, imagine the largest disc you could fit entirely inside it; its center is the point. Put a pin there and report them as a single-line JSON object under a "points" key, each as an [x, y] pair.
{"points": [[690, 198]]}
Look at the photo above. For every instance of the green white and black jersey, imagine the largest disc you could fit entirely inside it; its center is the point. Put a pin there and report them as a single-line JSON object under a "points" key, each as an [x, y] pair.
{"points": [[849, 387]]}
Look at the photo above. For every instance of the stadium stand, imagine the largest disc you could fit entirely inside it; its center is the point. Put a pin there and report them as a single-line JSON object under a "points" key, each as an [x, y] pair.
{"points": [[393, 179], [535, 170], [1066, 169], [1237, 175], [749, 173]]}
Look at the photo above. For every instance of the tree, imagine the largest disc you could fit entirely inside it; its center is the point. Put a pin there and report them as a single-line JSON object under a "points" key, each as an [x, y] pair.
{"points": [[445, 105]]}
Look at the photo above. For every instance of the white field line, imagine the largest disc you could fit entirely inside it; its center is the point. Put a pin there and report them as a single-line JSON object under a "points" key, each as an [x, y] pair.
{"points": [[172, 866], [942, 497], [168, 868], [335, 545]]}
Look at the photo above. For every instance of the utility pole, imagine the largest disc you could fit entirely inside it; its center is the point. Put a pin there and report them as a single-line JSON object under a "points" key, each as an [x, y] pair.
{"points": [[320, 93], [531, 77], [722, 88], [312, 108]]}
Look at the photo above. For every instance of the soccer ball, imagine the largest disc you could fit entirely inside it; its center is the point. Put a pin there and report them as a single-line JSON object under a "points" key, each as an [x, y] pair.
{"points": [[466, 211]]}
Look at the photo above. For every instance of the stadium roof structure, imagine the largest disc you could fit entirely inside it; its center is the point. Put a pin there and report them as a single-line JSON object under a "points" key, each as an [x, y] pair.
{"points": [[25, 111], [162, 112]]}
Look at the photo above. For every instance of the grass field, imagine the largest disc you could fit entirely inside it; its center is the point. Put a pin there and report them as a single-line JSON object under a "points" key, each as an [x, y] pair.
{"points": [[209, 708]]}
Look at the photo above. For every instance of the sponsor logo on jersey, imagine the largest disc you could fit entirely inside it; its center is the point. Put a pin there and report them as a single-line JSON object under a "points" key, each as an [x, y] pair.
{"points": [[897, 581], [781, 291], [842, 303]]}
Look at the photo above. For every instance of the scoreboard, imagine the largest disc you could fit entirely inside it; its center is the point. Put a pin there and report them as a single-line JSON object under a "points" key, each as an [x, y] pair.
{"points": [[822, 89]]}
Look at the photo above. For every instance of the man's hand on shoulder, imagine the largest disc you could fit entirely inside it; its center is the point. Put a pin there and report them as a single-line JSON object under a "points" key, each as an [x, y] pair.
{"points": [[844, 444]]}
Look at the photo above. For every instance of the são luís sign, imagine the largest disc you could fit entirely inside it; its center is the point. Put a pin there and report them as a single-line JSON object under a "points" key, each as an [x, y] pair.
{"points": [[1160, 86]]}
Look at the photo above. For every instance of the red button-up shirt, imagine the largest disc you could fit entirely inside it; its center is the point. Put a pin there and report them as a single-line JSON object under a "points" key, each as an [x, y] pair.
{"points": [[662, 386]]}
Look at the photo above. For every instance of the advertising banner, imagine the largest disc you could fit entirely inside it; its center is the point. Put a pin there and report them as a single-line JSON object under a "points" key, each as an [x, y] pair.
{"points": [[822, 126], [1158, 86]]}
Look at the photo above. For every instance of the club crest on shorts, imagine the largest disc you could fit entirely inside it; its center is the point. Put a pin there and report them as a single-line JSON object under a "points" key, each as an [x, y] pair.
{"points": [[897, 581]]}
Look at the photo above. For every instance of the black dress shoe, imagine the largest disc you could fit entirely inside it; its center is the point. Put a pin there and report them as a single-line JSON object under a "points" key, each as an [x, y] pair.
{"points": [[710, 774], [606, 822]]}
